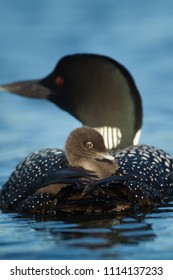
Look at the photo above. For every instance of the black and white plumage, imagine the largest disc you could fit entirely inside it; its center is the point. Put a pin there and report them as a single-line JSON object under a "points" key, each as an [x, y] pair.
{"points": [[144, 178], [150, 173], [42, 177]]}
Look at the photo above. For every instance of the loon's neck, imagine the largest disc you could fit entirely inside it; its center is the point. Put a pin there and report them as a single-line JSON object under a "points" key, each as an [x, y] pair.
{"points": [[113, 136]]}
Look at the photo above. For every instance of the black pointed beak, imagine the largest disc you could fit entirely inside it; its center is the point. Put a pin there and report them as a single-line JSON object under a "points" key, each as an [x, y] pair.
{"points": [[32, 88]]}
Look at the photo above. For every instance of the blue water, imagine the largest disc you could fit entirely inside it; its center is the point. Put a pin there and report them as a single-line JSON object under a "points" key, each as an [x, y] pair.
{"points": [[34, 35]]}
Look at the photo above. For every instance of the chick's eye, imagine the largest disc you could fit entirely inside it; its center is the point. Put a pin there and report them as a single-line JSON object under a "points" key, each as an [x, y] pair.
{"points": [[89, 144]]}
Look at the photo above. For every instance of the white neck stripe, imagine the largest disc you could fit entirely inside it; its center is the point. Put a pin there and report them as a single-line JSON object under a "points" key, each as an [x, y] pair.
{"points": [[112, 136], [137, 137]]}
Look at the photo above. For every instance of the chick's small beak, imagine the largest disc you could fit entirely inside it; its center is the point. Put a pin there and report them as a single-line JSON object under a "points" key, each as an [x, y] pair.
{"points": [[106, 156]]}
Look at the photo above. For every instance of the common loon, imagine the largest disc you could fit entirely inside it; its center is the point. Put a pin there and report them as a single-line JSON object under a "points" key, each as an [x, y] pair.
{"points": [[86, 179], [96, 90]]}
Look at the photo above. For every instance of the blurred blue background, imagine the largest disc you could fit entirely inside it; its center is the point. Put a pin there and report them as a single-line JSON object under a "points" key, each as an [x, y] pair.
{"points": [[34, 35]]}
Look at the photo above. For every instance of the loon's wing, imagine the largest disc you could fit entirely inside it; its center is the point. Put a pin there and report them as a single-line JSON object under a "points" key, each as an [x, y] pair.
{"points": [[112, 179], [68, 175], [116, 179]]}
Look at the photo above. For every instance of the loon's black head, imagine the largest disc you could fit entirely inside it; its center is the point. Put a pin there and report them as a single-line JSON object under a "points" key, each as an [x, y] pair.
{"points": [[85, 148], [96, 90]]}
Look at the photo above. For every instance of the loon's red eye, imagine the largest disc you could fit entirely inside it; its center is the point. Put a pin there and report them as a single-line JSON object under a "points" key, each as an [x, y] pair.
{"points": [[59, 81]]}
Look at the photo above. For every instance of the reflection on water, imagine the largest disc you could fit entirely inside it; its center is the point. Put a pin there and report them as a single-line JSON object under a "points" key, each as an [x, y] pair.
{"points": [[76, 237]]}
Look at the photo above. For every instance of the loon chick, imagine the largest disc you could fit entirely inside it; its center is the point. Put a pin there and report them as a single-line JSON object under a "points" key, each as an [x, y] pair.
{"points": [[85, 149], [49, 182], [96, 90], [86, 159]]}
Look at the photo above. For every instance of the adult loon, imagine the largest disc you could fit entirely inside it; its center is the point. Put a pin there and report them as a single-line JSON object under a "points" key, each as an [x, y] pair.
{"points": [[96, 90], [86, 179]]}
